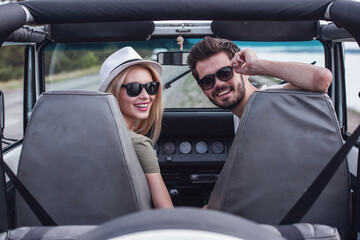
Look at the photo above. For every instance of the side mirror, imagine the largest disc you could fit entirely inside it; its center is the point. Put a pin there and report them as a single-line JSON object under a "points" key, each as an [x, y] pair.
{"points": [[172, 58]]}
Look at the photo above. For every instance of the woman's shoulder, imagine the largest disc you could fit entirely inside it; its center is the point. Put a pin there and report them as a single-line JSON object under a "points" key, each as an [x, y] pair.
{"points": [[138, 138], [144, 150]]}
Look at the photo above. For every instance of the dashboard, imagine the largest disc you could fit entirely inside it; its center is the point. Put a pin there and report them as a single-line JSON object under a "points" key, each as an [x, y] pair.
{"points": [[192, 150], [195, 137]]}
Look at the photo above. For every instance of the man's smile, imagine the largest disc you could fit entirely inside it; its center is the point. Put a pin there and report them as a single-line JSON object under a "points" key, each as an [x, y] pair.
{"points": [[223, 92]]}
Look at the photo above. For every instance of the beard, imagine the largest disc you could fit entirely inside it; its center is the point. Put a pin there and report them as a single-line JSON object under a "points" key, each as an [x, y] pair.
{"points": [[238, 98]]}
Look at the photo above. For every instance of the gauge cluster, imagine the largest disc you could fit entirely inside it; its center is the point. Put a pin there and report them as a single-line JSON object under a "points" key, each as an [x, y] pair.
{"points": [[194, 150]]}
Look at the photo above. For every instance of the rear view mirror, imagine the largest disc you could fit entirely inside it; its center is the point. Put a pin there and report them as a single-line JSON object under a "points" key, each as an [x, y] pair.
{"points": [[172, 58]]}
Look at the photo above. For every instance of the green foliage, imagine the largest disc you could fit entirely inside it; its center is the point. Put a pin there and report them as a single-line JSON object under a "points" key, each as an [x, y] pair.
{"points": [[64, 58], [11, 63], [67, 61]]}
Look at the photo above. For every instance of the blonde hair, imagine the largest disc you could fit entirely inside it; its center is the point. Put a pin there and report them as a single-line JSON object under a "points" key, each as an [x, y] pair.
{"points": [[152, 124]]}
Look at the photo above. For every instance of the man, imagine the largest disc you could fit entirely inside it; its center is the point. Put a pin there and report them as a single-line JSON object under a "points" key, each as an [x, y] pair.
{"points": [[222, 71]]}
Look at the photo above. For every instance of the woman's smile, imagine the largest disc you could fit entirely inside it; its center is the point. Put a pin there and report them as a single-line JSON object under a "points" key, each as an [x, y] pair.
{"points": [[136, 108]]}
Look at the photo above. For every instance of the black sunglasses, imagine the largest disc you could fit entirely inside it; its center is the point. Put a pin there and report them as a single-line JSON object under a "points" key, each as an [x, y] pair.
{"points": [[208, 82], [134, 89]]}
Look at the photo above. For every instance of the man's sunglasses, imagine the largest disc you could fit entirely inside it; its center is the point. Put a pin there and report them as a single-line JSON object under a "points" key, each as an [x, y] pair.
{"points": [[134, 89], [208, 82]]}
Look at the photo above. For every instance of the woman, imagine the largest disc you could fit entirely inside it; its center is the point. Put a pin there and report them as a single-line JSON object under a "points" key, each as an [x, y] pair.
{"points": [[136, 85]]}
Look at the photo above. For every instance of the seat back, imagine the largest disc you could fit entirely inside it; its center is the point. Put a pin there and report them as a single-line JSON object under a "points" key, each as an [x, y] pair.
{"points": [[284, 139], [78, 161]]}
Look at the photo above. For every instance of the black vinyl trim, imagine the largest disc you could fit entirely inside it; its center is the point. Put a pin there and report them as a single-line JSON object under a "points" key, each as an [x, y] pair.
{"points": [[60, 11], [106, 31], [12, 17], [266, 30]]}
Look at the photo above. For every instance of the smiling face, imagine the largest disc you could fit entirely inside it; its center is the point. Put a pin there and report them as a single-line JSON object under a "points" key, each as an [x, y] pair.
{"points": [[226, 94], [136, 108]]}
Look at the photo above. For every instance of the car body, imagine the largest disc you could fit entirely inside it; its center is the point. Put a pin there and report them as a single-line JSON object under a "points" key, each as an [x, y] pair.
{"points": [[63, 44]]}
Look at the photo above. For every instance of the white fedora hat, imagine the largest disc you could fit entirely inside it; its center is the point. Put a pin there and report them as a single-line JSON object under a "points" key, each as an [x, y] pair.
{"points": [[118, 61]]}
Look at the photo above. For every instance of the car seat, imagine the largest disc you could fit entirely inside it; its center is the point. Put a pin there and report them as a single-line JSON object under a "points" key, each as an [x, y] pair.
{"points": [[78, 161], [284, 139]]}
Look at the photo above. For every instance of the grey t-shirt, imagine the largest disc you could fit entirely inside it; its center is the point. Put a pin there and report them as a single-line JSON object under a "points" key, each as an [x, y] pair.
{"points": [[144, 149]]}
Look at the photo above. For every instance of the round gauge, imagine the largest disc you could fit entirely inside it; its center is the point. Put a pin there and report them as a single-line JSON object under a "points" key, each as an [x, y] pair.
{"points": [[185, 147], [217, 147], [201, 147], [169, 147]]}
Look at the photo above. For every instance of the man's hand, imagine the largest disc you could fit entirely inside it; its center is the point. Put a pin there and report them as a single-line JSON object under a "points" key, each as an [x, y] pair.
{"points": [[242, 62]]}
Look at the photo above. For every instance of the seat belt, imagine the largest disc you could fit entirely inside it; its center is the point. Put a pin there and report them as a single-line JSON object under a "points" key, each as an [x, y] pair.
{"points": [[302, 206], [357, 197], [4, 217], [4, 212], [290, 232], [35, 206]]}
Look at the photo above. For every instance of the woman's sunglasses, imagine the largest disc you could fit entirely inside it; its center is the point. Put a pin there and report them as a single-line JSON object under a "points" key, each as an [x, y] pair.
{"points": [[134, 89], [208, 82]]}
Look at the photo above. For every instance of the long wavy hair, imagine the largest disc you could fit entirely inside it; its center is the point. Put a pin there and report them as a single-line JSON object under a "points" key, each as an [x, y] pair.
{"points": [[152, 124]]}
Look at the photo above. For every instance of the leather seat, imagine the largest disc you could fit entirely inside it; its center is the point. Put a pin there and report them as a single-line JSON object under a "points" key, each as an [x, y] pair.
{"points": [[78, 161], [284, 139]]}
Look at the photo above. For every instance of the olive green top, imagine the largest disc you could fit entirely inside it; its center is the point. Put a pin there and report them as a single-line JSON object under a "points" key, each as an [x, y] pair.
{"points": [[144, 149]]}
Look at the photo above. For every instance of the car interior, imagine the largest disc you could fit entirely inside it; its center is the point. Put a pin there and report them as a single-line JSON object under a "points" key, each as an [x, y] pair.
{"points": [[68, 146]]}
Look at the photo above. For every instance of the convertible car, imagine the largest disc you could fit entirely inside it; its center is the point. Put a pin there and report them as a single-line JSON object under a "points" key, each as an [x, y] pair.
{"points": [[286, 170]]}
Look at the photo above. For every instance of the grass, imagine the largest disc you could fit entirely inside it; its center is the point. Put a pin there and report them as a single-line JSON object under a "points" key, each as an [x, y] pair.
{"points": [[11, 85]]}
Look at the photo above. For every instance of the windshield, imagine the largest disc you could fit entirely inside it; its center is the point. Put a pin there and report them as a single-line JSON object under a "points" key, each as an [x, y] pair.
{"points": [[76, 66]]}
